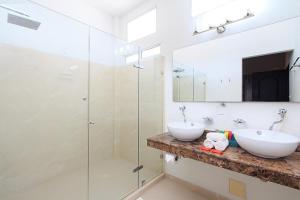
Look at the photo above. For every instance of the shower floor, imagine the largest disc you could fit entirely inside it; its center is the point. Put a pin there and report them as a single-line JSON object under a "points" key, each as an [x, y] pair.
{"points": [[109, 180]]}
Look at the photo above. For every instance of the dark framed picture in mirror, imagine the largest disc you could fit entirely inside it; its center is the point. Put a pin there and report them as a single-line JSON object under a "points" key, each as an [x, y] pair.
{"points": [[266, 78]]}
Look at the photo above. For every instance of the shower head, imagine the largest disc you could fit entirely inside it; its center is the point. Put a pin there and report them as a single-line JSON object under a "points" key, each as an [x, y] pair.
{"points": [[22, 21]]}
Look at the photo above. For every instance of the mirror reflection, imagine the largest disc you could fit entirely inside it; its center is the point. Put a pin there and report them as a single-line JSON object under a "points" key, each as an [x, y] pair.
{"points": [[258, 65], [266, 77]]}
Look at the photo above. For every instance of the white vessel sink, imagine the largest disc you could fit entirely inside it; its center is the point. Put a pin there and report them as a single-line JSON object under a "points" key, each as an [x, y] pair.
{"points": [[186, 131], [266, 144]]}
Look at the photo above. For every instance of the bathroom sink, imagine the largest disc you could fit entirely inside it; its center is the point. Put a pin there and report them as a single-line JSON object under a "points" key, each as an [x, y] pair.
{"points": [[266, 144], [186, 131]]}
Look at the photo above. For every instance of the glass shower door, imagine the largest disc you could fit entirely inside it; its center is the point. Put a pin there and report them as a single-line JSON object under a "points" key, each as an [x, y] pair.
{"points": [[76, 109], [150, 116], [113, 113], [43, 123]]}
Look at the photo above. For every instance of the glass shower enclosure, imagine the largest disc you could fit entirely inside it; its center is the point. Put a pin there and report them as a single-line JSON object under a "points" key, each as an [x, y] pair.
{"points": [[74, 114]]}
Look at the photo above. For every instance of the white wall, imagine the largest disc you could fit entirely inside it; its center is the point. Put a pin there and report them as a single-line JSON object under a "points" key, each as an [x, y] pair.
{"points": [[82, 11], [59, 34], [175, 28]]}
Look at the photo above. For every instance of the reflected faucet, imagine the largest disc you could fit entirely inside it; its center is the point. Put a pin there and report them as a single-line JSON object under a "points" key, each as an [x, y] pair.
{"points": [[182, 109], [282, 113]]}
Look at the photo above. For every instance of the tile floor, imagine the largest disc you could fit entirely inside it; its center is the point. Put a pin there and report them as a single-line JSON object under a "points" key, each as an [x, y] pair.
{"points": [[171, 188], [167, 189]]}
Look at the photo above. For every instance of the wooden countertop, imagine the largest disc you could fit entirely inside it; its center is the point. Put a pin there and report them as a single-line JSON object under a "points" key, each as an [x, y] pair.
{"points": [[284, 171]]}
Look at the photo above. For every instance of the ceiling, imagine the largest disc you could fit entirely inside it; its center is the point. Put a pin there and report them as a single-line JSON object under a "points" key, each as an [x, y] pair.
{"points": [[115, 7]]}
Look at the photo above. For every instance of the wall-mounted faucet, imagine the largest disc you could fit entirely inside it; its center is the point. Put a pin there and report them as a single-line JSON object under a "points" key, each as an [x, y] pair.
{"points": [[239, 121], [208, 120], [182, 109], [282, 113]]}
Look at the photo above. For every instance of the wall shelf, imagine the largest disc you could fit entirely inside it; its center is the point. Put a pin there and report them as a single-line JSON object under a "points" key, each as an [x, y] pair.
{"points": [[284, 171]]}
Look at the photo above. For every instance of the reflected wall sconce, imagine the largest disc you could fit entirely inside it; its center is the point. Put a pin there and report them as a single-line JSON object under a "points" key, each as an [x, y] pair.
{"points": [[222, 27]]}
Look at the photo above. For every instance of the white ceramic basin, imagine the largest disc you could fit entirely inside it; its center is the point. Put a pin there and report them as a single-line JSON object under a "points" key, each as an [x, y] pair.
{"points": [[266, 144], [186, 131]]}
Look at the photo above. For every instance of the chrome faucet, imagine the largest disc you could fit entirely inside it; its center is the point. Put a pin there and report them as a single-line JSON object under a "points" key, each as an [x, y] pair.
{"points": [[182, 109], [282, 113], [208, 120], [239, 121]]}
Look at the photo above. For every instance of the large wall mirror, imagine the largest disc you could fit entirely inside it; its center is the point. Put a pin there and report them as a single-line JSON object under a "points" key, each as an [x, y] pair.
{"points": [[257, 65]]}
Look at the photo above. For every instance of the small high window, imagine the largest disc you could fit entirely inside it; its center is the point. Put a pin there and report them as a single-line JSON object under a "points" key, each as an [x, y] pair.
{"points": [[142, 26], [145, 54], [151, 52], [132, 58]]}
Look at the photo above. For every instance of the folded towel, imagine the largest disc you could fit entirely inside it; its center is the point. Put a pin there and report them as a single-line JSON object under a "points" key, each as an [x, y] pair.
{"points": [[208, 143], [221, 145], [214, 136], [230, 136]]}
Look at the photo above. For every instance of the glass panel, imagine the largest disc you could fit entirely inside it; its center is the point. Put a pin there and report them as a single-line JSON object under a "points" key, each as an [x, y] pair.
{"points": [[43, 84], [150, 116], [114, 118]]}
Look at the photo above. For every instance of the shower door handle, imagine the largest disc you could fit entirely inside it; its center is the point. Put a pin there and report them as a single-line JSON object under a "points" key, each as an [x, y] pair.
{"points": [[138, 66], [91, 123], [137, 169]]}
